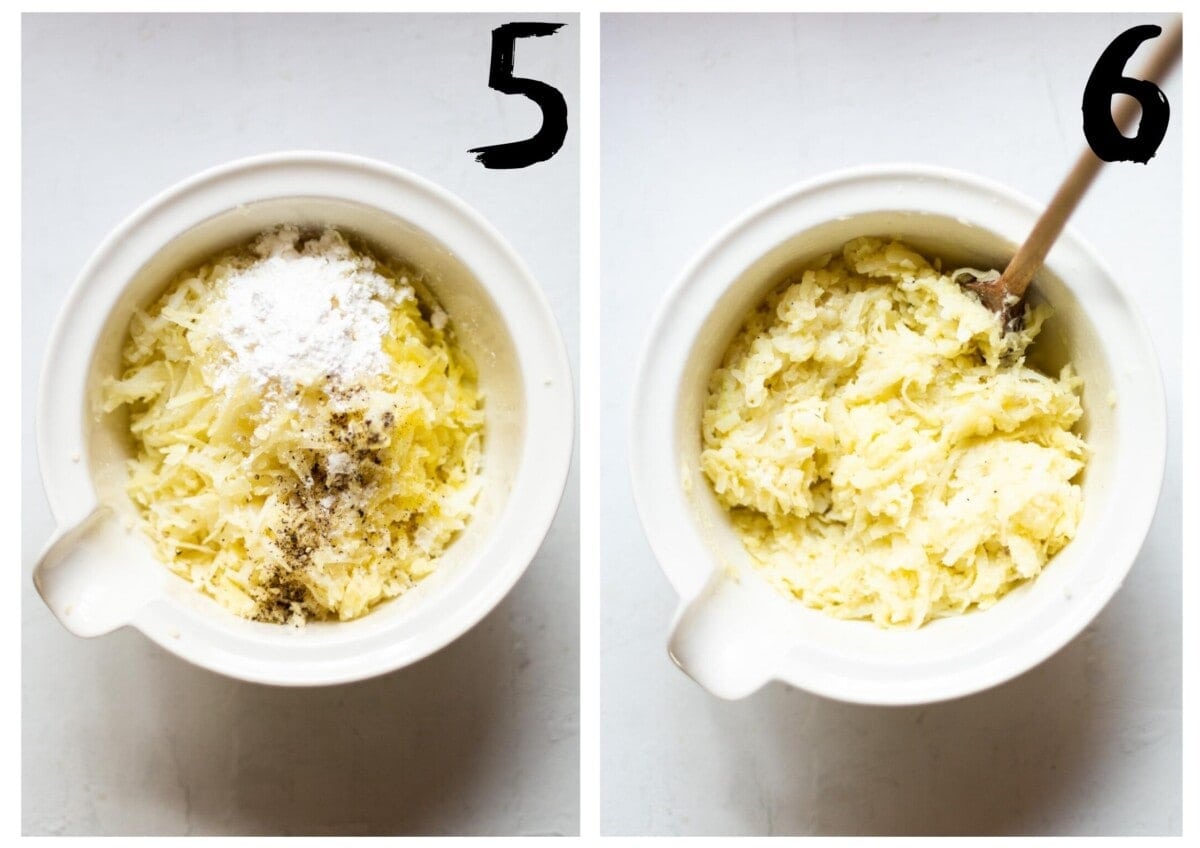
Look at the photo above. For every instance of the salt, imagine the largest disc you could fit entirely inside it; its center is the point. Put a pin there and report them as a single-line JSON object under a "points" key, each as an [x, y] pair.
{"points": [[338, 464]]}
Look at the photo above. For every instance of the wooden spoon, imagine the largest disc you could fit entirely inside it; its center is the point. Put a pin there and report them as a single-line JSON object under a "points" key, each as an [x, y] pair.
{"points": [[1003, 295]]}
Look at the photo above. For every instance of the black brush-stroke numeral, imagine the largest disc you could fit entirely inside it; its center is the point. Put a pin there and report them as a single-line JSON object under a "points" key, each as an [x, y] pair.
{"points": [[1107, 78], [547, 141]]}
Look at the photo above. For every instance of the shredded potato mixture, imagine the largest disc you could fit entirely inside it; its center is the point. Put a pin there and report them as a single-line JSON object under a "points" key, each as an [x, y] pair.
{"points": [[883, 449], [298, 501]]}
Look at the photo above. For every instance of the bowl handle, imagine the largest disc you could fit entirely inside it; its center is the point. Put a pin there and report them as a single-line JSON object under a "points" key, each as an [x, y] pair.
{"points": [[81, 578], [721, 640]]}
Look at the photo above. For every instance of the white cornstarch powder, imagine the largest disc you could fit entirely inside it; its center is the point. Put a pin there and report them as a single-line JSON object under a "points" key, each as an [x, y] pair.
{"points": [[301, 312]]}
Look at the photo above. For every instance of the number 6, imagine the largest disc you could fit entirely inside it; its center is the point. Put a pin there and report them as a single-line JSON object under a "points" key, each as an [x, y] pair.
{"points": [[1103, 135]]}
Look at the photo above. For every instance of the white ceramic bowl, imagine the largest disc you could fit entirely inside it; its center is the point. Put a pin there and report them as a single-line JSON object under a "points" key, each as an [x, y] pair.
{"points": [[733, 632], [98, 574]]}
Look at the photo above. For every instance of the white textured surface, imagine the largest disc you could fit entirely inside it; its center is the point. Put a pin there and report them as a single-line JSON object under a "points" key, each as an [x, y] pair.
{"points": [[120, 738], [703, 116]]}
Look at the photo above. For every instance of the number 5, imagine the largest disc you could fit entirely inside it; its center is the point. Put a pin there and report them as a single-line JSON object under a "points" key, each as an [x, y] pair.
{"points": [[547, 141]]}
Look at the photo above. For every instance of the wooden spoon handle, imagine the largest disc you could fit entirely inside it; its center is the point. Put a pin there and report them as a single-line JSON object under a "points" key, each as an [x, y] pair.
{"points": [[1032, 253]]}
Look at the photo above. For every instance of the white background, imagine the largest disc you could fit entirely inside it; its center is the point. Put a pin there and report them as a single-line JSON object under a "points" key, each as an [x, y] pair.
{"points": [[121, 738], [704, 116]]}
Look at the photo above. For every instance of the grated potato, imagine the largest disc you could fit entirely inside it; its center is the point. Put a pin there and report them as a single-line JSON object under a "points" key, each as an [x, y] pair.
{"points": [[316, 500], [883, 449]]}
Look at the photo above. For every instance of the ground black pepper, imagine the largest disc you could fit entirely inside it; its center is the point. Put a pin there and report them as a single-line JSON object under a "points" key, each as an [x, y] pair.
{"points": [[331, 497]]}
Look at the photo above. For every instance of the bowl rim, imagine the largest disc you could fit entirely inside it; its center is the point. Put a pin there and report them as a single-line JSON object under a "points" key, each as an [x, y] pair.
{"points": [[542, 362], [673, 330]]}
